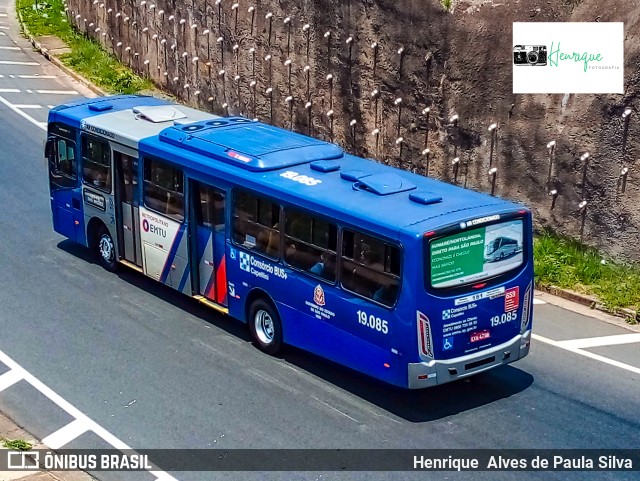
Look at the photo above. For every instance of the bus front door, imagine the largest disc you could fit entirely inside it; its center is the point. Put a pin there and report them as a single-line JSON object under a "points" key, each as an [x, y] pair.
{"points": [[208, 242], [127, 207]]}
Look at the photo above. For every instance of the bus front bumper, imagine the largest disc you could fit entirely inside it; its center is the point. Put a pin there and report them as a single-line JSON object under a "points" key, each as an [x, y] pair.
{"points": [[431, 373]]}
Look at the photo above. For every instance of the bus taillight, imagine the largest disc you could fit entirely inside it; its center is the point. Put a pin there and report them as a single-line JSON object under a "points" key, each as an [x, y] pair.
{"points": [[426, 345]]}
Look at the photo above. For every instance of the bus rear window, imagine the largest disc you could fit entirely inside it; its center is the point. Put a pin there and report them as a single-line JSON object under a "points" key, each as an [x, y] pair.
{"points": [[475, 254]]}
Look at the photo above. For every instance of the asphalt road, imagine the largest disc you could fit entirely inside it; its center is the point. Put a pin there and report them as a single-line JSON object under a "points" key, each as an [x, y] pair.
{"points": [[159, 371]]}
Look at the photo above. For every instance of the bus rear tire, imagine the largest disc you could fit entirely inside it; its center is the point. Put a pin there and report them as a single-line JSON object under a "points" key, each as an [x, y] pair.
{"points": [[106, 250], [265, 326]]}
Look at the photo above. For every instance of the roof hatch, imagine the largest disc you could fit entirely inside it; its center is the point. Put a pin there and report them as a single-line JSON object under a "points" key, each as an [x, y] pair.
{"points": [[384, 184], [159, 113]]}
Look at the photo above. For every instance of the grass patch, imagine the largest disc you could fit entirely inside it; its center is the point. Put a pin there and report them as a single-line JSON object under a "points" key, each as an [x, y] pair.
{"points": [[564, 262], [447, 4], [87, 56], [16, 444]]}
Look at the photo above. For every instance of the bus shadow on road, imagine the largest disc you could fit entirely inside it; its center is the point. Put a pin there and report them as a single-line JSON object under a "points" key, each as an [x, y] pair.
{"points": [[421, 405]]}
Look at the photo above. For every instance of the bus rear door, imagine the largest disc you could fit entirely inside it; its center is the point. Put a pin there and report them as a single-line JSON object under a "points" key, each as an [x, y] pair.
{"points": [[208, 242]]}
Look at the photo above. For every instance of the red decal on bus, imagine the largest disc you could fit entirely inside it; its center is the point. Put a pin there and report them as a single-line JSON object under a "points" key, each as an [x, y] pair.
{"points": [[511, 299], [221, 281]]}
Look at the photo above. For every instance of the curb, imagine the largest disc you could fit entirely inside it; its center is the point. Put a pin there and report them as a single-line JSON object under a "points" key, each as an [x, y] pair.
{"points": [[56, 61], [629, 315]]}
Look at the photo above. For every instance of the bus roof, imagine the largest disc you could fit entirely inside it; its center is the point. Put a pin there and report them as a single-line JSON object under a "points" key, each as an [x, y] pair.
{"points": [[282, 164], [125, 118]]}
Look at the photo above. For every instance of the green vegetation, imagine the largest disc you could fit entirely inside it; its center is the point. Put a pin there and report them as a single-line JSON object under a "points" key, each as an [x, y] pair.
{"points": [[16, 444], [566, 263], [87, 57], [447, 4]]}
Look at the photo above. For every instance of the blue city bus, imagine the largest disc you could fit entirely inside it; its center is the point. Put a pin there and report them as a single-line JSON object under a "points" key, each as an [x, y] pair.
{"points": [[375, 268]]}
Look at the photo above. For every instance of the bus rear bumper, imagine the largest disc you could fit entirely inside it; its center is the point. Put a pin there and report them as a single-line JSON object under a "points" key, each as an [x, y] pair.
{"points": [[431, 373]]}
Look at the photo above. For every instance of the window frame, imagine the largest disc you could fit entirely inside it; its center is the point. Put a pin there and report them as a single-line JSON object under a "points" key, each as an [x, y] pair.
{"points": [[235, 193], [58, 174], [488, 281], [387, 243], [285, 238], [178, 217], [108, 188], [198, 186]]}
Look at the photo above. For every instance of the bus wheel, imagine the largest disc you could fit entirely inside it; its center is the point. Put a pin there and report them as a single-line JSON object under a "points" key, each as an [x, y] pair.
{"points": [[106, 250], [265, 326]]}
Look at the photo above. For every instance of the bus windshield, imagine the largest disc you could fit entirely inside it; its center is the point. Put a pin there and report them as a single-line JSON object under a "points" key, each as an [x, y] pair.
{"points": [[476, 254]]}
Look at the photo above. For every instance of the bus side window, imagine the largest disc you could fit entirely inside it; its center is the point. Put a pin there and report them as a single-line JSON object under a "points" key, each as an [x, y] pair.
{"points": [[96, 163], [310, 244], [255, 223], [62, 162], [370, 267], [164, 188], [210, 208]]}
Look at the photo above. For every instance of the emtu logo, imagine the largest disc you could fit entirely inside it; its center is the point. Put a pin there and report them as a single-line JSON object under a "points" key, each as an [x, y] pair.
{"points": [[145, 225]]}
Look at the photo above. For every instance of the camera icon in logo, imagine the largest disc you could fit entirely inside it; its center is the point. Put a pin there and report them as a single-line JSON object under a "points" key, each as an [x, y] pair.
{"points": [[530, 55]]}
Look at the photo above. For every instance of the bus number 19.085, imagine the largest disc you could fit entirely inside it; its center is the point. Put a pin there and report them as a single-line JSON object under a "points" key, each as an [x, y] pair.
{"points": [[504, 318], [373, 322]]}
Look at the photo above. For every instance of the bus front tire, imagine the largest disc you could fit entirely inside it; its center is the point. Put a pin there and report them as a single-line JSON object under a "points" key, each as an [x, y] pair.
{"points": [[265, 326], [106, 250]]}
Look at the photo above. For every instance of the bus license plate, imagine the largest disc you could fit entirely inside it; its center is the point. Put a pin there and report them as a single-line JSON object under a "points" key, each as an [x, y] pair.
{"points": [[480, 336]]}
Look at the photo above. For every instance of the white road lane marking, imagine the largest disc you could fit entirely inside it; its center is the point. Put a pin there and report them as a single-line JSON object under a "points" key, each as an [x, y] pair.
{"points": [[588, 354], [27, 106], [2, 34], [601, 341], [11, 62], [36, 76], [9, 48], [73, 411], [58, 92], [538, 301], [40, 125], [65, 434], [4, 27], [9, 91], [9, 378], [3, 14]]}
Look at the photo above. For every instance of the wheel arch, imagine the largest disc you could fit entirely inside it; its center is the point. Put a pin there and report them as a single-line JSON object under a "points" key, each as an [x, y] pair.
{"points": [[254, 294], [93, 227]]}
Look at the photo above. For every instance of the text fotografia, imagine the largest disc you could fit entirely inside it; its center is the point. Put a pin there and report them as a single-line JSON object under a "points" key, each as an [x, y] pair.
{"points": [[525, 463], [556, 56]]}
